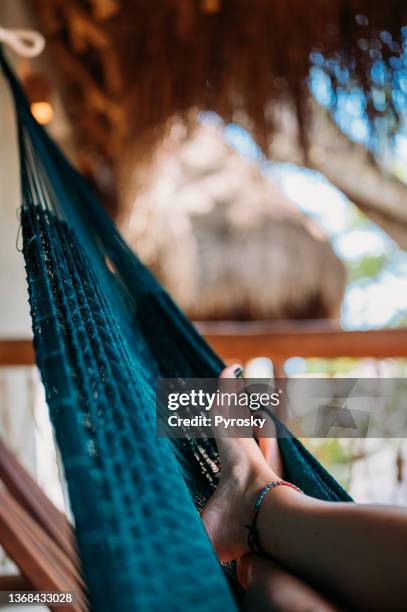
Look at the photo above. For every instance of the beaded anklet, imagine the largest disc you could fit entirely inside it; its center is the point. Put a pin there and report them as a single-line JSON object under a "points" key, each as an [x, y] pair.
{"points": [[253, 538]]}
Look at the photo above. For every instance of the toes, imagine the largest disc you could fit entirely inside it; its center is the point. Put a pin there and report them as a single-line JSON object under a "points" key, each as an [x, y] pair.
{"points": [[233, 371]]}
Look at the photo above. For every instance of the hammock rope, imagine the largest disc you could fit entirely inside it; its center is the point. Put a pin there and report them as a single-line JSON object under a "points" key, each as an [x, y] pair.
{"points": [[25, 43], [104, 331]]}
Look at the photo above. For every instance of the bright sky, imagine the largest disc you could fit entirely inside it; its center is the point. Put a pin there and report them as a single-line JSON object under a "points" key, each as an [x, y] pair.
{"points": [[368, 303]]}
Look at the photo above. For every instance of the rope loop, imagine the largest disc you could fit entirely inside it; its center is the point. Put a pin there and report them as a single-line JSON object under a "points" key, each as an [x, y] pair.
{"points": [[26, 43]]}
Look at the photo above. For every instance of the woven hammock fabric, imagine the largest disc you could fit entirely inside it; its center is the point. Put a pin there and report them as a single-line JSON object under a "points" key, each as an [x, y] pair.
{"points": [[104, 331]]}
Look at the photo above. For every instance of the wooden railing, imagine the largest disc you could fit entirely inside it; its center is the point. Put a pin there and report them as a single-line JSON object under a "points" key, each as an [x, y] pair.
{"points": [[16, 353], [278, 341]]}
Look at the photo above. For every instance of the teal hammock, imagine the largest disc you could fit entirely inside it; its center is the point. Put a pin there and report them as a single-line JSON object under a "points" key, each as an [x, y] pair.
{"points": [[104, 331]]}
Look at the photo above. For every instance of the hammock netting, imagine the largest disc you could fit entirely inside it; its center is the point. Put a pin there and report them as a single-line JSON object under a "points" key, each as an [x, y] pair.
{"points": [[104, 332]]}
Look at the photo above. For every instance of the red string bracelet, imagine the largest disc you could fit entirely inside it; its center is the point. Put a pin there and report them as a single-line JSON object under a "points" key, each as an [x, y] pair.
{"points": [[253, 538]]}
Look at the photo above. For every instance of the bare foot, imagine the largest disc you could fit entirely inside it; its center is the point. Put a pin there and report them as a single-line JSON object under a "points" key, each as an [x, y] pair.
{"points": [[271, 452], [244, 472]]}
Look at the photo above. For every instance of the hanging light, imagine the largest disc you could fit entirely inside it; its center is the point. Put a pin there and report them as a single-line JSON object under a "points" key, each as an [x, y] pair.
{"points": [[211, 7], [43, 112], [39, 94]]}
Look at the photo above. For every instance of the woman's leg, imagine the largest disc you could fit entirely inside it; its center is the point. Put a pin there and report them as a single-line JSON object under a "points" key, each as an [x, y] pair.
{"points": [[356, 551], [270, 587]]}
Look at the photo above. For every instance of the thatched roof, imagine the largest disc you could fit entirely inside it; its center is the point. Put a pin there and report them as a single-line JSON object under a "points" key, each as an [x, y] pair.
{"points": [[125, 68], [124, 71], [224, 240]]}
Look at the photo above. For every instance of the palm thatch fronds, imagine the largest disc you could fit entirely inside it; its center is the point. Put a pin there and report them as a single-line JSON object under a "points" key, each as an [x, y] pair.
{"points": [[126, 68], [224, 240]]}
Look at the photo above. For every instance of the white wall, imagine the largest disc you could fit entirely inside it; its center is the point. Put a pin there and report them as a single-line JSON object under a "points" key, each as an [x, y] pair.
{"points": [[14, 312], [16, 412]]}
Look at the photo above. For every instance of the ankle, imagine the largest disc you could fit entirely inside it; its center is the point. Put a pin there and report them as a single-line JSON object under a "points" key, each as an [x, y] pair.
{"points": [[255, 482]]}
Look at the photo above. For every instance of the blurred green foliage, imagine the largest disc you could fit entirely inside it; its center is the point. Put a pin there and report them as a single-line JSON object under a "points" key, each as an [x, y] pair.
{"points": [[367, 268]]}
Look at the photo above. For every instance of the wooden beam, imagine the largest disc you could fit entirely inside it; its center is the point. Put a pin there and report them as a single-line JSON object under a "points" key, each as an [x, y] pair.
{"points": [[277, 340], [37, 556], [16, 353], [14, 582], [280, 341], [31, 497]]}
